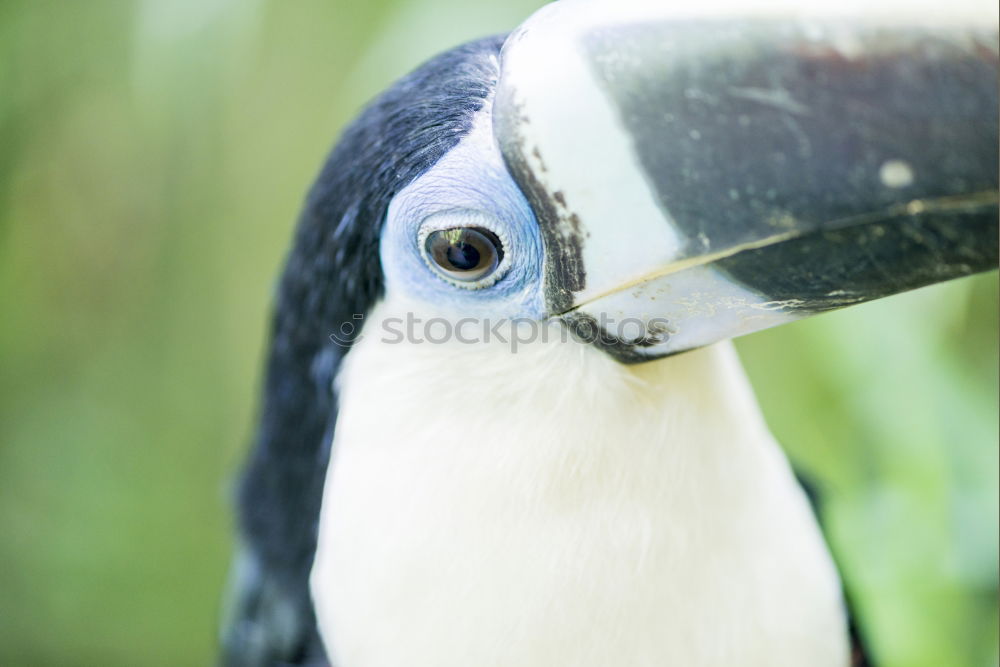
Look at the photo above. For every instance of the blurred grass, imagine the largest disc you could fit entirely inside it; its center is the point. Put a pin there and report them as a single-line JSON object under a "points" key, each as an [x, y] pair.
{"points": [[152, 160]]}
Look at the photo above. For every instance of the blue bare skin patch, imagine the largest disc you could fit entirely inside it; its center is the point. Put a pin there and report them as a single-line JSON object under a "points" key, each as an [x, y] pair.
{"points": [[468, 187]]}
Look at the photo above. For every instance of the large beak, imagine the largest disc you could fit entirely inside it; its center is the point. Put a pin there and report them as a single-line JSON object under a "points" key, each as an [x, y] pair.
{"points": [[701, 172]]}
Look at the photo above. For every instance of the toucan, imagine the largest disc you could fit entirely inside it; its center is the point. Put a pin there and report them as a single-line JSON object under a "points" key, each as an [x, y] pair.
{"points": [[502, 422]]}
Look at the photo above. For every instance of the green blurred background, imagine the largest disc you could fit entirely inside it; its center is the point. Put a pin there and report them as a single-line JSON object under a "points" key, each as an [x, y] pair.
{"points": [[153, 156]]}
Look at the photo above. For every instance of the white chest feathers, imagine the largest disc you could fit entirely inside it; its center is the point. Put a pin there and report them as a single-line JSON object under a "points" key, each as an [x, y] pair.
{"points": [[553, 507]]}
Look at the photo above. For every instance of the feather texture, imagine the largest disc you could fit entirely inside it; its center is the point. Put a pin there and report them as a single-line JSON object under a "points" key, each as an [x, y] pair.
{"points": [[332, 274]]}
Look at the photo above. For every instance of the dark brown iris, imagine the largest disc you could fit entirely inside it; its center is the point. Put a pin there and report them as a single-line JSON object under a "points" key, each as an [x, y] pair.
{"points": [[465, 254]]}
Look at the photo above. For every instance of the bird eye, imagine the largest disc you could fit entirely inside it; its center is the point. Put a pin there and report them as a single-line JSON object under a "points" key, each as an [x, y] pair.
{"points": [[464, 254]]}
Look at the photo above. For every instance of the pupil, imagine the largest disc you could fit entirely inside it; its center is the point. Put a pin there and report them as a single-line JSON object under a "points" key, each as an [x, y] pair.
{"points": [[463, 256]]}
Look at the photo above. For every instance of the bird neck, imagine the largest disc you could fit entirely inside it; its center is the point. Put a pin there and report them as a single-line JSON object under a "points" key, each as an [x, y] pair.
{"points": [[540, 495]]}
